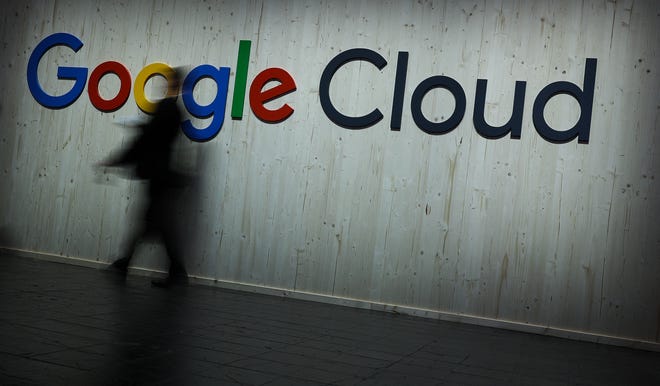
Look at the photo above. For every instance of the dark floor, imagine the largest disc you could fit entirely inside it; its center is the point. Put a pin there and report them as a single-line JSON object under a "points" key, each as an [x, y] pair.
{"points": [[68, 325]]}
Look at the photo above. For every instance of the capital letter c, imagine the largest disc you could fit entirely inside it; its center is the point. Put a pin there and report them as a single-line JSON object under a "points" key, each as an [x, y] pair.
{"points": [[324, 88]]}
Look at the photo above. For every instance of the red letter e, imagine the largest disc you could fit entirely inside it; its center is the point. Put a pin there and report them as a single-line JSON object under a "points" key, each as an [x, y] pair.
{"points": [[258, 96]]}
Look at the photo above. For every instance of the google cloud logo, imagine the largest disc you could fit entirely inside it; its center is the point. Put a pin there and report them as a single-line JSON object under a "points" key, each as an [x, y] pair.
{"points": [[259, 94]]}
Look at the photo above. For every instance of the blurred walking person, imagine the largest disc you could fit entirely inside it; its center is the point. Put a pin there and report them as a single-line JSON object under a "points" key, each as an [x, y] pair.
{"points": [[151, 156]]}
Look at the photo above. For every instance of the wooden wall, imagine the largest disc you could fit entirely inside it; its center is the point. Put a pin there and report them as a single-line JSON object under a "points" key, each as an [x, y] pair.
{"points": [[559, 235]]}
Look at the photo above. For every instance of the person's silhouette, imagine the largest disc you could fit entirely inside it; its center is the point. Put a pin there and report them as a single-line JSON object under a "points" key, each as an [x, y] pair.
{"points": [[150, 155]]}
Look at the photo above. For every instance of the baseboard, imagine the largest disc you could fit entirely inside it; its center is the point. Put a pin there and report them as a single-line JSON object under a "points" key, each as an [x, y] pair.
{"points": [[364, 304]]}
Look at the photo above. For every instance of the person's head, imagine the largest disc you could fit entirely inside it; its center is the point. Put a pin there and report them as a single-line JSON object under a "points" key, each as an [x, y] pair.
{"points": [[174, 81]]}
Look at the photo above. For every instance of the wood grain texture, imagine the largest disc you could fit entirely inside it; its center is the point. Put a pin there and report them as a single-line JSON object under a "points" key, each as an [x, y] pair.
{"points": [[562, 235]]}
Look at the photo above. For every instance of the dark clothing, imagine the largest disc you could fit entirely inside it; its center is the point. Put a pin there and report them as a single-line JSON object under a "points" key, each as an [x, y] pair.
{"points": [[150, 155]]}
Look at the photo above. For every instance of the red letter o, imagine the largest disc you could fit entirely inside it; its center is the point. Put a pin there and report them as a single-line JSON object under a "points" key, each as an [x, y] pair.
{"points": [[124, 86]]}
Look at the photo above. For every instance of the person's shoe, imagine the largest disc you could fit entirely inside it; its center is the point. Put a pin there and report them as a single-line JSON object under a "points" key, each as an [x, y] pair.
{"points": [[120, 265]]}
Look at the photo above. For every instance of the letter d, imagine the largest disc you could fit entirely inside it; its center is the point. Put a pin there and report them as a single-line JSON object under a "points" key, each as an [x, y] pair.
{"points": [[584, 97]]}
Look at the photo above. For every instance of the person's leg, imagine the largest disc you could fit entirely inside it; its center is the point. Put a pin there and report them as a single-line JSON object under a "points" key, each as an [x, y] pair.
{"points": [[172, 242], [121, 264]]}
